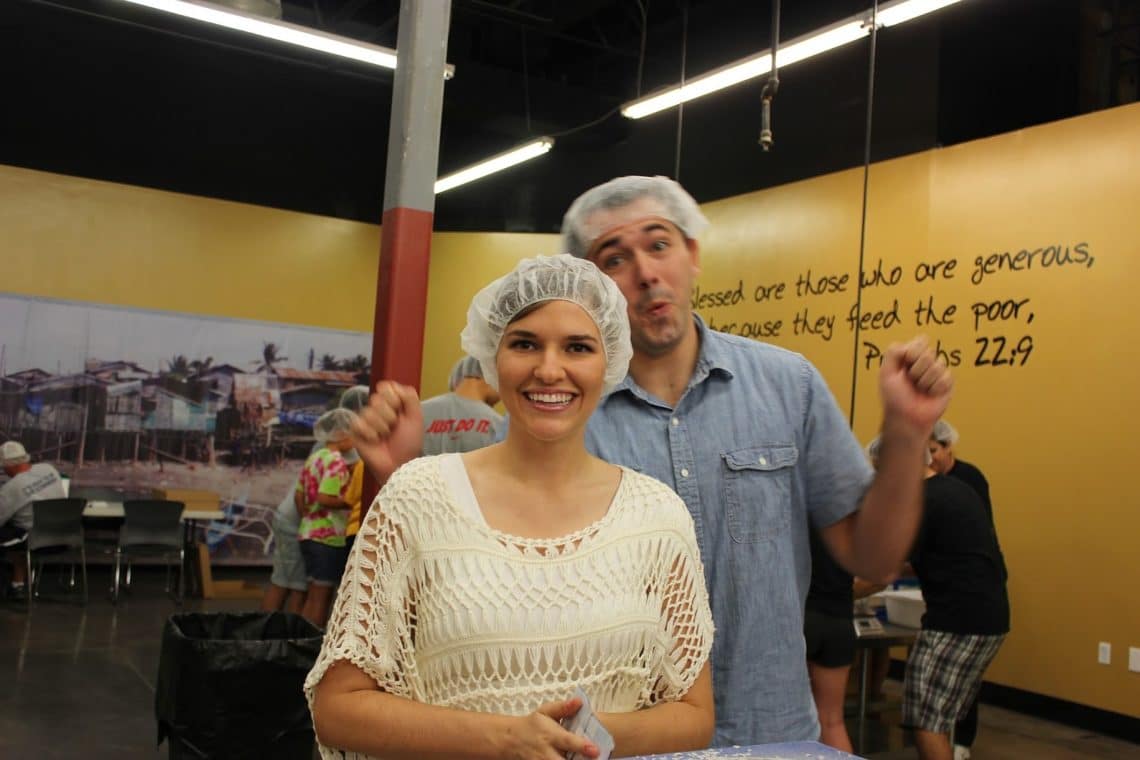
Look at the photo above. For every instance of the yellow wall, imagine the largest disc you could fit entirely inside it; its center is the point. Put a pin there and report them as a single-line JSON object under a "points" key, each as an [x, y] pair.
{"points": [[461, 264], [85, 240], [1054, 435], [130, 246]]}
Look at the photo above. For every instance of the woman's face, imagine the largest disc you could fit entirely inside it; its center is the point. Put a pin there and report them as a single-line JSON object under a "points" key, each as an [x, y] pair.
{"points": [[341, 442], [551, 370], [941, 459]]}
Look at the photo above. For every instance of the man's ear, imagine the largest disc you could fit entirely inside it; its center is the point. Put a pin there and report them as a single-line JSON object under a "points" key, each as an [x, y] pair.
{"points": [[694, 255]]}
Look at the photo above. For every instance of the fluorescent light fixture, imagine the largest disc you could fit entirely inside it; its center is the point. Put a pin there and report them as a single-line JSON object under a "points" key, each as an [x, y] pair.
{"points": [[796, 50], [281, 31], [735, 73], [900, 12], [493, 164], [799, 49], [820, 42]]}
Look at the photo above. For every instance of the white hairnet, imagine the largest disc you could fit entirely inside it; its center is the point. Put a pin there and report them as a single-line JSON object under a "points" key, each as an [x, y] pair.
{"points": [[944, 433], [355, 398], [876, 443], [549, 278], [333, 424], [466, 367], [674, 205]]}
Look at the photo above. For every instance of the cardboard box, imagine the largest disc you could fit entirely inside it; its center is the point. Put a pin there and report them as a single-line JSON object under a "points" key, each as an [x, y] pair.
{"points": [[212, 589], [195, 500]]}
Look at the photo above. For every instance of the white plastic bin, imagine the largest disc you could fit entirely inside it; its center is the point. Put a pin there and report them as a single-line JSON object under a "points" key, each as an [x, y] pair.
{"points": [[905, 607]]}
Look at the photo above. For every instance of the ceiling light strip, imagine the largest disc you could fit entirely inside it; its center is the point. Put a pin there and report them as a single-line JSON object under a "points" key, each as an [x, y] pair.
{"points": [[282, 31], [494, 164], [801, 48]]}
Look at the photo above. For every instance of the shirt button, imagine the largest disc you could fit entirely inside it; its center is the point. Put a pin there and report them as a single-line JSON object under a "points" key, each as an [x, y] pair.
{"points": [[762, 460], [676, 422], [684, 473]]}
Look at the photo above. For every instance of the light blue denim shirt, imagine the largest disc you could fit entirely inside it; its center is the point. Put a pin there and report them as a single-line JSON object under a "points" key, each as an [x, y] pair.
{"points": [[756, 443]]}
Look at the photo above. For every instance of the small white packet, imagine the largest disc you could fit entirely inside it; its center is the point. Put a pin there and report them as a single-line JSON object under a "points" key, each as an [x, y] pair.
{"points": [[585, 723]]}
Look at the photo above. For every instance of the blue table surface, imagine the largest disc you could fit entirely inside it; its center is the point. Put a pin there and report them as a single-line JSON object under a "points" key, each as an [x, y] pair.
{"points": [[793, 751]]}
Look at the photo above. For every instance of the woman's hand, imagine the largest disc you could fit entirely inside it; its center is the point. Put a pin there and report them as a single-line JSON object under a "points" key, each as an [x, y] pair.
{"points": [[539, 736]]}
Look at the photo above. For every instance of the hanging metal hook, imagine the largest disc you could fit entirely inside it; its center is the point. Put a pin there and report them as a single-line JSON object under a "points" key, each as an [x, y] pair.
{"points": [[771, 84]]}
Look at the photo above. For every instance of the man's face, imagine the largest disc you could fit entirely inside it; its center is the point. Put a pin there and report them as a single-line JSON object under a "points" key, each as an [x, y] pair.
{"points": [[941, 460], [654, 266]]}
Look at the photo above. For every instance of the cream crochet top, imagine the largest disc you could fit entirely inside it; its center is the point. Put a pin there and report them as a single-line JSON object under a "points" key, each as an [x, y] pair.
{"points": [[438, 608]]}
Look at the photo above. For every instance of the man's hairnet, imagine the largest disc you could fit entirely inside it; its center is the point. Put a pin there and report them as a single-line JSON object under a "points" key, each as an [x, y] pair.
{"points": [[355, 398], [541, 279], [674, 205], [333, 425], [466, 367], [944, 433]]}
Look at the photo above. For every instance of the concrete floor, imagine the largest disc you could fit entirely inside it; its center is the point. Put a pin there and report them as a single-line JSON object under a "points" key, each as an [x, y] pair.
{"points": [[1002, 735], [81, 678], [79, 683]]}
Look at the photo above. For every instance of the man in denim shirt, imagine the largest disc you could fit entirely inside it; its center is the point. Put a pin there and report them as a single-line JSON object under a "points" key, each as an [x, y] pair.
{"points": [[752, 439]]}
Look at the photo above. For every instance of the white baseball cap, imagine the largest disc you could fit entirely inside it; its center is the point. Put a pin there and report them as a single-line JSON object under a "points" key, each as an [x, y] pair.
{"points": [[13, 452]]}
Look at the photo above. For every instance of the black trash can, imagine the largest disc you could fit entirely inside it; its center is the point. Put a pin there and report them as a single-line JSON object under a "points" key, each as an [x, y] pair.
{"points": [[230, 685]]}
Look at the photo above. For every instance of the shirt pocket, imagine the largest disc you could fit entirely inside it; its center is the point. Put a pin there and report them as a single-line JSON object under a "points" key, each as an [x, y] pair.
{"points": [[758, 491]]}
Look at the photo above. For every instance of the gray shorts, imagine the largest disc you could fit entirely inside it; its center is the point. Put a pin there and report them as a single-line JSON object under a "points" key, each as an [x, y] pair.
{"points": [[288, 565]]}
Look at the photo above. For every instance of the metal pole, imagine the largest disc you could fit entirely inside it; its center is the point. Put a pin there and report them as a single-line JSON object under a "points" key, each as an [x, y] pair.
{"points": [[409, 195], [863, 699], [82, 435]]}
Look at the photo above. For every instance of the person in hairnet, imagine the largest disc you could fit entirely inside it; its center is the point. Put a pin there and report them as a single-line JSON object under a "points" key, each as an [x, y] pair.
{"points": [[322, 503], [752, 439], [942, 441], [748, 435], [485, 586], [959, 564], [463, 419], [354, 399], [289, 582]]}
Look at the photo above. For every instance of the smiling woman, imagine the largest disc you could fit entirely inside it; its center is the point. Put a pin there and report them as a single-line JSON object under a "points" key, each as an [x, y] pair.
{"points": [[485, 587], [551, 367]]}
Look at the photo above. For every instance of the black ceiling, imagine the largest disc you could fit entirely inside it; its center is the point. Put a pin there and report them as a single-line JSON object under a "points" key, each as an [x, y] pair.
{"points": [[98, 88]]}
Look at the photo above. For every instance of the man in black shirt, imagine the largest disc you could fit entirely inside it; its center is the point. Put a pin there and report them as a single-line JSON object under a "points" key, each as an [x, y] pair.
{"points": [[958, 562], [942, 441]]}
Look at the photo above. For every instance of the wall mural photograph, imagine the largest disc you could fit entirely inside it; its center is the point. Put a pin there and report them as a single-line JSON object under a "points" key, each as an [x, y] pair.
{"points": [[144, 404]]}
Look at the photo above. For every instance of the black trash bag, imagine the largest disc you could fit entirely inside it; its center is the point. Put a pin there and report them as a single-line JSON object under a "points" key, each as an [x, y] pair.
{"points": [[230, 685]]}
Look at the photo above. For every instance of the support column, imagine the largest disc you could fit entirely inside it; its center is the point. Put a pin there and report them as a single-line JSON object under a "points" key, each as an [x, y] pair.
{"points": [[409, 195]]}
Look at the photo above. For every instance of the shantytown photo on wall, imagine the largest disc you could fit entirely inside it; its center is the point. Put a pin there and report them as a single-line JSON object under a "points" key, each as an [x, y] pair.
{"points": [[145, 403]]}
